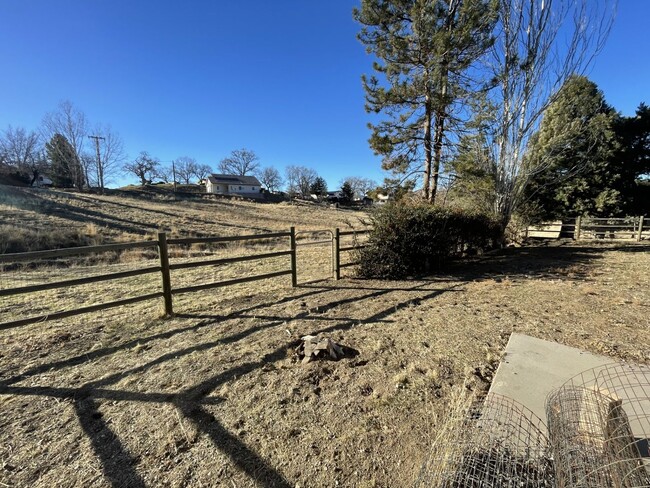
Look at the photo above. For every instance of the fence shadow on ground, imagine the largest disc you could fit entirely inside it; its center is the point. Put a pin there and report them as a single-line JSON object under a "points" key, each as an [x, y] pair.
{"points": [[570, 262], [119, 465]]}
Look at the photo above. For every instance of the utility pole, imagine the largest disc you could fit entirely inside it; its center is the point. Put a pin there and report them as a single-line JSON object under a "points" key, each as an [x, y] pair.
{"points": [[100, 169], [174, 176]]}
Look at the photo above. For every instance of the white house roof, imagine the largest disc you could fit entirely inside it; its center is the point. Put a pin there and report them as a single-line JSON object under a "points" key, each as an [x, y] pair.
{"points": [[234, 180]]}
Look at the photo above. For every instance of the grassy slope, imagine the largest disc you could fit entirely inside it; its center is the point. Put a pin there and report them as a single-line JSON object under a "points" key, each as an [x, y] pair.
{"points": [[133, 214], [215, 396]]}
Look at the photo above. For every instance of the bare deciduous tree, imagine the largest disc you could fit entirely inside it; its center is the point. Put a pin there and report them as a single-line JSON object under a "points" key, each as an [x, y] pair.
{"points": [[241, 162], [539, 46], [111, 155], [270, 178], [186, 168], [22, 150], [165, 174], [360, 186], [299, 180], [72, 124], [202, 171], [144, 167]]}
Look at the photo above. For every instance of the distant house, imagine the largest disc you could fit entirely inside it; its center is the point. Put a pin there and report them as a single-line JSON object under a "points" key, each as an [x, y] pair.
{"points": [[382, 199], [232, 185], [334, 196], [42, 182]]}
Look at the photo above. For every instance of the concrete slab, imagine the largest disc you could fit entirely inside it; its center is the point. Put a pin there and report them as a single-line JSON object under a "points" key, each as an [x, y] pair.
{"points": [[531, 368]]}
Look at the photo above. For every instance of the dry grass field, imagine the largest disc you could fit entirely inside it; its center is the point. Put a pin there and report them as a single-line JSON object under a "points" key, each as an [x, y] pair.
{"points": [[216, 395]]}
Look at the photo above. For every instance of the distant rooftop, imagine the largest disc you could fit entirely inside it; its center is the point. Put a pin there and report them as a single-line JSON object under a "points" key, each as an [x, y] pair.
{"points": [[234, 180]]}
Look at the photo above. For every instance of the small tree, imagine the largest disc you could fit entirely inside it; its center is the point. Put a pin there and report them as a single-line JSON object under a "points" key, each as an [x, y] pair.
{"points": [[71, 123], [144, 167], [347, 193], [61, 156], [202, 171], [241, 162], [186, 168], [299, 180], [360, 186], [270, 178], [23, 151], [318, 188]]}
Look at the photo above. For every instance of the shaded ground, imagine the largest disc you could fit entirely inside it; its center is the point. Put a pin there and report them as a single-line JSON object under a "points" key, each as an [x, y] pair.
{"points": [[215, 397]]}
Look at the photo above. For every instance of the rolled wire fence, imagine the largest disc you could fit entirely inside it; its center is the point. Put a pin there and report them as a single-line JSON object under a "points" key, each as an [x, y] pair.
{"points": [[598, 426]]}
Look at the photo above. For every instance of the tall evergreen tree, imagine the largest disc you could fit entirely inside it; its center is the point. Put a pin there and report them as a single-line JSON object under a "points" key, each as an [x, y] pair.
{"points": [[472, 178], [572, 154], [61, 156], [319, 187], [427, 49], [633, 160], [347, 193]]}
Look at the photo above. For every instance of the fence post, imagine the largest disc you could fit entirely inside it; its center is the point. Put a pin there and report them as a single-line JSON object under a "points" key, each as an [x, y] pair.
{"points": [[638, 236], [164, 268], [294, 270], [337, 254], [576, 229]]}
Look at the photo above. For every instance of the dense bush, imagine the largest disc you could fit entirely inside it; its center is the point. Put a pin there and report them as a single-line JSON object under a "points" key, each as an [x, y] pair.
{"points": [[412, 239]]}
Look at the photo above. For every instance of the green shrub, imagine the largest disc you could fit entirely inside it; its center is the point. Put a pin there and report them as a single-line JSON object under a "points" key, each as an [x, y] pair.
{"points": [[412, 239]]}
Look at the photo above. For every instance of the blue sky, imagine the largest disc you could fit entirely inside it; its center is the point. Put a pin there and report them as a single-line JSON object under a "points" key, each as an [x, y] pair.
{"points": [[203, 78]]}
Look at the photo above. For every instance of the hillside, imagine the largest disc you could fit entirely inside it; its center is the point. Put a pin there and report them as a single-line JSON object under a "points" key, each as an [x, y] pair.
{"points": [[55, 218]]}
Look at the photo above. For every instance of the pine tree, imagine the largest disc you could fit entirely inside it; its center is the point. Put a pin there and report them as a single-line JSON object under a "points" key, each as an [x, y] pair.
{"points": [[319, 187], [347, 193], [427, 49], [61, 157], [572, 154], [472, 179], [633, 160]]}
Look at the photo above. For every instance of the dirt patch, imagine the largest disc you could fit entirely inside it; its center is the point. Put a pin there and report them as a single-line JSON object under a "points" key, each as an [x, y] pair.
{"points": [[217, 397]]}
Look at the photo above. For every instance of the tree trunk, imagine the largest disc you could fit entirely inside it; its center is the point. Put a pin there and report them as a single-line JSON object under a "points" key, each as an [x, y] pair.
{"points": [[426, 195], [437, 145]]}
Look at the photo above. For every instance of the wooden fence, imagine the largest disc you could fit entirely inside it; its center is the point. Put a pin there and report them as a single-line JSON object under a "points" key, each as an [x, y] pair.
{"points": [[167, 292], [619, 228], [338, 249]]}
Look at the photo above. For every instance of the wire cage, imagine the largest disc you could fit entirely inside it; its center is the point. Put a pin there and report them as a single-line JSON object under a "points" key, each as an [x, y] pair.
{"points": [[489, 442], [599, 426]]}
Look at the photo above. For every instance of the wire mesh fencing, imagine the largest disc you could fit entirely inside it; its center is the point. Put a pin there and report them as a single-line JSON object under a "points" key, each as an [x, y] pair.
{"points": [[598, 426], [489, 442]]}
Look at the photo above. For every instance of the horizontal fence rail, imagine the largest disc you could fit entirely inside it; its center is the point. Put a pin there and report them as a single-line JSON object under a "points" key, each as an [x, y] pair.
{"points": [[167, 291], [250, 237], [619, 228], [74, 251], [338, 249]]}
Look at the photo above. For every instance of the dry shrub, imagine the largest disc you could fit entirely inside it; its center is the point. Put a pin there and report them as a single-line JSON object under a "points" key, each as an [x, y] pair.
{"points": [[414, 238], [23, 239]]}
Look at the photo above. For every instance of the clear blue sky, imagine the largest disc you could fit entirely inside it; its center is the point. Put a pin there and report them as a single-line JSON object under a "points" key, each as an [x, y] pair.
{"points": [[202, 78]]}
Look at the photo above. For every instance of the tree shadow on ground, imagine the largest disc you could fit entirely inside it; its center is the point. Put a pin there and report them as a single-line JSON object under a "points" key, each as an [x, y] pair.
{"points": [[119, 465], [569, 262]]}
